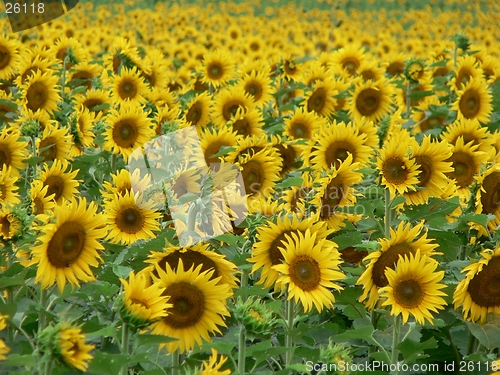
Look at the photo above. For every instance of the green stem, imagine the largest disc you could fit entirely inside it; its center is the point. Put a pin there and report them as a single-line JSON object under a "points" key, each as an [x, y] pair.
{"points": [[113, 163], [175, 362], [288, 337], [241, 350], [388, 214], [471, 344], [408, 100], [395, 340], [48, 367], [43, 309], [125, 345]]}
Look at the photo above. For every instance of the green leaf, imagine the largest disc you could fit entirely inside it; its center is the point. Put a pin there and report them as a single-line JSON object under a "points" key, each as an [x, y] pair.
{"points": [[348, 239], [153, 340], [251, 290], [435, 208], [363, 333], [108, 331], [19, 360], [289, 182], [111, 364], [488, 334], [413, 349]]}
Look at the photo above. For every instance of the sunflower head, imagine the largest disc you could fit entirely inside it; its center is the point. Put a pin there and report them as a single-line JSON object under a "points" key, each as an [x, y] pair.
{"points": [[142, 303], [257, 318]]}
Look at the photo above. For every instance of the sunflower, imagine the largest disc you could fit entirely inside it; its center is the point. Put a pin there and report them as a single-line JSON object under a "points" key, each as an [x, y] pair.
{"points": [[226, 104], [399, 172], [403, 241], [395, 64], [12, 224], [41, 202], [218, 68], [9, 56], [422, 87], [199, 306], [40, 118], [69, 246], [466, 71], [414, 288], [198, 110], [65, 47], [130, 218], [213, 367], [212, 141], [71, 347], [297, 197], [143, 302], [271, 237], [250, 146], [336, 191], [31, 65], [309, 269], [124, 182], [321, 98], [466, 162], [423, 118], [248, 123], [478, 293], [370, 70], [488, 196], [4, 349], [8, 108], [127, 129], [55, 143], [152, 70], [94, 100], [192, 257], [289, 151], [82, 126], [430, 159], [8, 194], [348, 59], [333, 143], [185, 182], [257, 84], [60, 182], [470, 131], [128, 86], [40, 92], [84, 74], [259, 172], [370, 99], [303, 124], [474, 102]]}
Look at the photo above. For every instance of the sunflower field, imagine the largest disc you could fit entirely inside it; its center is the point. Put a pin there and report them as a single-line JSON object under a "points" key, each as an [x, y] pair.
{"points": [[209, 187]]}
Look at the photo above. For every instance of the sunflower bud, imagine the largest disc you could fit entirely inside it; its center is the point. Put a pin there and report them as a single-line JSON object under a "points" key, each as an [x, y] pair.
{"points": [[65, 342], [255, 316], [30, 128], [335, 353], [461, 41], [13, 223], [414, 70]]}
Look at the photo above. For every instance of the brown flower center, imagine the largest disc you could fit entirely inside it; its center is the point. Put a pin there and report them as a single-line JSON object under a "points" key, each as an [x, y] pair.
{"points": [[408, 293], [66, 245], [368, 101], [188, 305], [484, 288], [304, 272]]}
